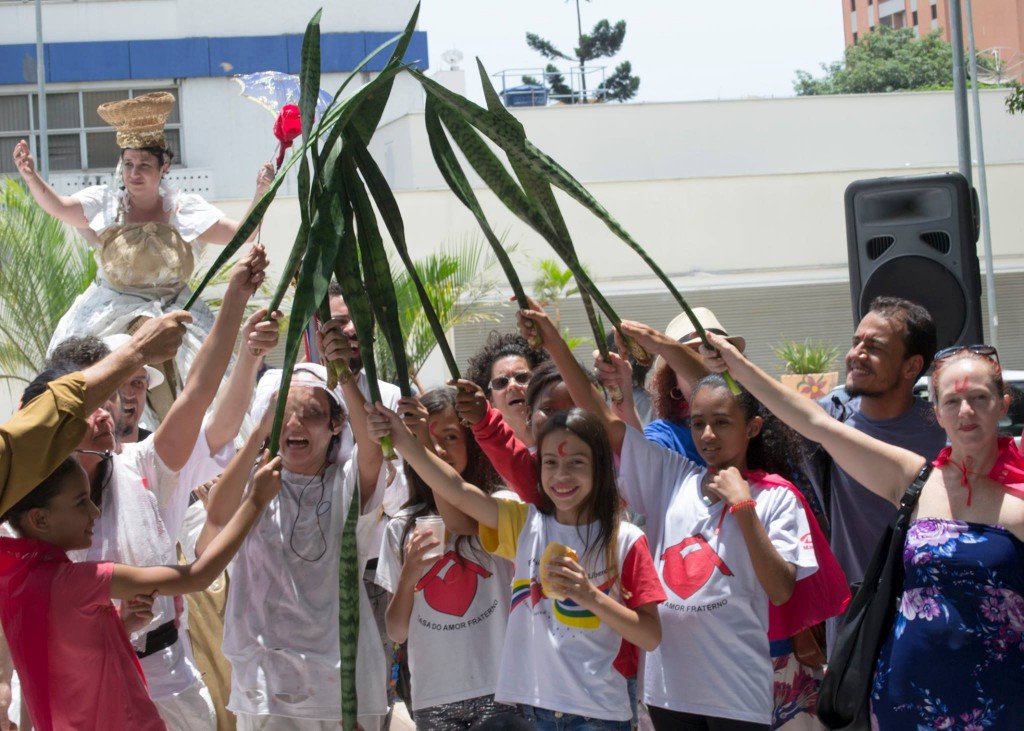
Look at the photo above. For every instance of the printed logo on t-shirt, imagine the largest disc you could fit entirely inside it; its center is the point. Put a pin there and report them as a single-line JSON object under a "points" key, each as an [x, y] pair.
{"points": [[565, 611], [454, 591], [689, 565]]}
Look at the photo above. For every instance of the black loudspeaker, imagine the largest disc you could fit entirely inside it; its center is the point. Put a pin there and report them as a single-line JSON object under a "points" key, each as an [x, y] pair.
{"points": [[915, 237]]}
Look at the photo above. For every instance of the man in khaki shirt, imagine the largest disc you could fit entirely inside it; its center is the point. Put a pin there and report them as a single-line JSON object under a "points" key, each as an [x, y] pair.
{"points": [[49, 428]]}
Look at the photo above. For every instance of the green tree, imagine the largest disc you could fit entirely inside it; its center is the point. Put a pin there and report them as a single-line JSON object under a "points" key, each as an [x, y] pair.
{"points": [[604, 41], [44, 266], [885, 60], [1015, 101], [553, 286]]}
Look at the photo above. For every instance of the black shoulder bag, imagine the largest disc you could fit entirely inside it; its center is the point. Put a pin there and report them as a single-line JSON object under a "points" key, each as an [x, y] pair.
{"points": [[844, 698]]}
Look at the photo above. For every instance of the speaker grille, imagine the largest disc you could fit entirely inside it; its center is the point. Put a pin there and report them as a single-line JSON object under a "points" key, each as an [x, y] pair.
{"points": [[938, 240], [878, 245]]}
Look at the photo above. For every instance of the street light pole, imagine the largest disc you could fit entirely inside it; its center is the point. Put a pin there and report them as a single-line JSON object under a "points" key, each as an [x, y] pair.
{"points": [[963, 135], [44, 143]]}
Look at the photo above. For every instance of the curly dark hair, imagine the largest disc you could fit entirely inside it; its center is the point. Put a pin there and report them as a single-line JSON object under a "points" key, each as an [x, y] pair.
{"points": [[77, 352], [777, 449], [500, 345], [479, 470]]}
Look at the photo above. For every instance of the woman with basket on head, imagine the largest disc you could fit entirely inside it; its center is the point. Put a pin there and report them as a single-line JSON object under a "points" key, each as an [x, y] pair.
{"points": [[147, 236]]}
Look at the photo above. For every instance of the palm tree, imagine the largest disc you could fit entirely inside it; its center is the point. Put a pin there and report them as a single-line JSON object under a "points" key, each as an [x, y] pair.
{"points": [[44, 266], [457, 278]]}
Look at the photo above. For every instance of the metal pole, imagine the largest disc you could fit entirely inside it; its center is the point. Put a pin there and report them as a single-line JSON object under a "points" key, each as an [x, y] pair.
{"points": [[44, 143], [979, 145], [963, 135]]}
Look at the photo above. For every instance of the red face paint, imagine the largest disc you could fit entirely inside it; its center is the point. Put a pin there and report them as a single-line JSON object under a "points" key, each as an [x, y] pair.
{"points": [[961, 386], [432, 428], [561, 449]]}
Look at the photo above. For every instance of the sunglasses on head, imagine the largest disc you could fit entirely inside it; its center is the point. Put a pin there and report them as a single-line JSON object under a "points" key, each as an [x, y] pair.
{"points": [[980, 349], [500, 383]]}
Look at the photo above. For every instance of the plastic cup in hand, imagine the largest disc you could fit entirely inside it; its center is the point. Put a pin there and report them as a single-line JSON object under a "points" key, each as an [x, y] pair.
{"points": [[435, 525]]}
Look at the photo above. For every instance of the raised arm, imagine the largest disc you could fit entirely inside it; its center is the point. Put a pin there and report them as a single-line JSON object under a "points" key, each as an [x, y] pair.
{"points": [[442, 479], [155, 342], [687, 364], [582, 391], [225, 229], [883, 468], [176, 436], [369, 457], [129, 581], [62, 207], [618, 373], [226, 495], [259, 337]]}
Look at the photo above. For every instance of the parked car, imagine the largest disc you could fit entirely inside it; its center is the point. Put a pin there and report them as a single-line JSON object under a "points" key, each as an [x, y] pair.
{"points": [[1013, 424]]}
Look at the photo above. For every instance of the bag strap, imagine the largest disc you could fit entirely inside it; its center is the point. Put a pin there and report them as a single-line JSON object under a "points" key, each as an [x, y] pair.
{"points": [[909, 499]]}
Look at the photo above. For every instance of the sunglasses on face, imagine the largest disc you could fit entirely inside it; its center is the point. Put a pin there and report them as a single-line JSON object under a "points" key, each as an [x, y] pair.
{"points": [[980, 349], [500, 383]]}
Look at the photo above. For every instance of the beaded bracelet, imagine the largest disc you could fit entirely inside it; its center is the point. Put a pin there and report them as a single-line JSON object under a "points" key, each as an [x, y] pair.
{"points": [[742, 504]]}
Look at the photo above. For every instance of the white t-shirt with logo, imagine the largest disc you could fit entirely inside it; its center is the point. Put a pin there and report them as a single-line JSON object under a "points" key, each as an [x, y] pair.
{"points": [[558, 655], [459, 614], [713, 659], [281, 622]]}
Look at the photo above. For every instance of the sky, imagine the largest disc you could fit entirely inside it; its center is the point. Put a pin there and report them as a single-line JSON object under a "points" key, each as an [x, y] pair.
{"points": [[681, 49]]}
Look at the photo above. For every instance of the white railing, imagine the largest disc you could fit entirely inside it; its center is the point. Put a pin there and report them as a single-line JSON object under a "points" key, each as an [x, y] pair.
{"points": [[187, 180]]}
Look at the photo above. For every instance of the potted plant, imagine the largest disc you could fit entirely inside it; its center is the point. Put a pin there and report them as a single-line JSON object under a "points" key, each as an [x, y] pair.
{"points": [[809, 367]]}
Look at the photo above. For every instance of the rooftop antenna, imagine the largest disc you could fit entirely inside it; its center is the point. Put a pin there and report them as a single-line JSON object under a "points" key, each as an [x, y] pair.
{"points": [[452, 57]]}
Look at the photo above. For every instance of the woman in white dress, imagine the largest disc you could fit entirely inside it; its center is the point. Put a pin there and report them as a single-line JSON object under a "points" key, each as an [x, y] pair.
{"points": [[146, 236]]}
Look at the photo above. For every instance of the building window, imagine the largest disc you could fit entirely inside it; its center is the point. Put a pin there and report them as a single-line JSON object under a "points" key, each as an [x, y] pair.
{"points": [[855, 39], [935, 12], [78, 137], [853, 6], [871, 2], [913, 17]]}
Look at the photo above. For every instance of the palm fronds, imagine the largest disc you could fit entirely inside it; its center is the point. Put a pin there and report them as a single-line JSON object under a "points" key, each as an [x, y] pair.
{"points": [[44, 266]]}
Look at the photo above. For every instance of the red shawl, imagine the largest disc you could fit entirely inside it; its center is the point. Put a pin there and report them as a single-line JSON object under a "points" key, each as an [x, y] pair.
{"points": [[1008, 470], [817, 597], [27, 570]]}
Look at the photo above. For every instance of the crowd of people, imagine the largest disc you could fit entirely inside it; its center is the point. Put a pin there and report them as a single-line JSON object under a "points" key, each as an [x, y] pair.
{"points": [[535, 556]]}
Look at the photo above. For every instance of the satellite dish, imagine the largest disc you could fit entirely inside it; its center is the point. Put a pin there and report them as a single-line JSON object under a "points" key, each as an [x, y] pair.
{"points": [[999, 65], [452, 57]]}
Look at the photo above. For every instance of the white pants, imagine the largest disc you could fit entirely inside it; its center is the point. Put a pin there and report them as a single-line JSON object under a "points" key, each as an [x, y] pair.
{"points": [[190, 710]]}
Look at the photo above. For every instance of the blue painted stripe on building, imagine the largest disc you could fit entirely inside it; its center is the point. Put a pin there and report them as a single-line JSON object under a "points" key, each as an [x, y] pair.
{"points": [[247, 54], [88, 61], [177, 59], [417, 50], [198, 57], [17, 64]]}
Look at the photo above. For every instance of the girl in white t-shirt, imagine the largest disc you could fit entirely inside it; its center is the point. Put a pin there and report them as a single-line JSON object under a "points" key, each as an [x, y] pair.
{"points": [[559, 647], [450, 602], [728, 539]]}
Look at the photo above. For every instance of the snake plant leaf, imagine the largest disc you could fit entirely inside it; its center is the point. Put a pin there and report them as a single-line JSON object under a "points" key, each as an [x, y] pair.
{"points": [[314, 278], [380, 288], [347, 275], [373, 105], [348, 613], [456, 179], [392, 216], [309, 80]]}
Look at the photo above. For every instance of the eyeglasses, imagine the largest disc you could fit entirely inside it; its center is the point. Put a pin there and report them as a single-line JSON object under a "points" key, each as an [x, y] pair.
{"points": [[501, 382], [980, 349]]}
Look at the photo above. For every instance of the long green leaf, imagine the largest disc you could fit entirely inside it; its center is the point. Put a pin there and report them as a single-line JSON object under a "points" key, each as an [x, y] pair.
{"points": [[373, 105], [380, 288], [392, 216], [349, 579], [453, 174], [309, 80]]}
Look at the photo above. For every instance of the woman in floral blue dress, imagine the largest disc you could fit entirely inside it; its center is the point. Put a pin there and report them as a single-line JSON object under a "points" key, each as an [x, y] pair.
{"points": [[955, 656]]}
